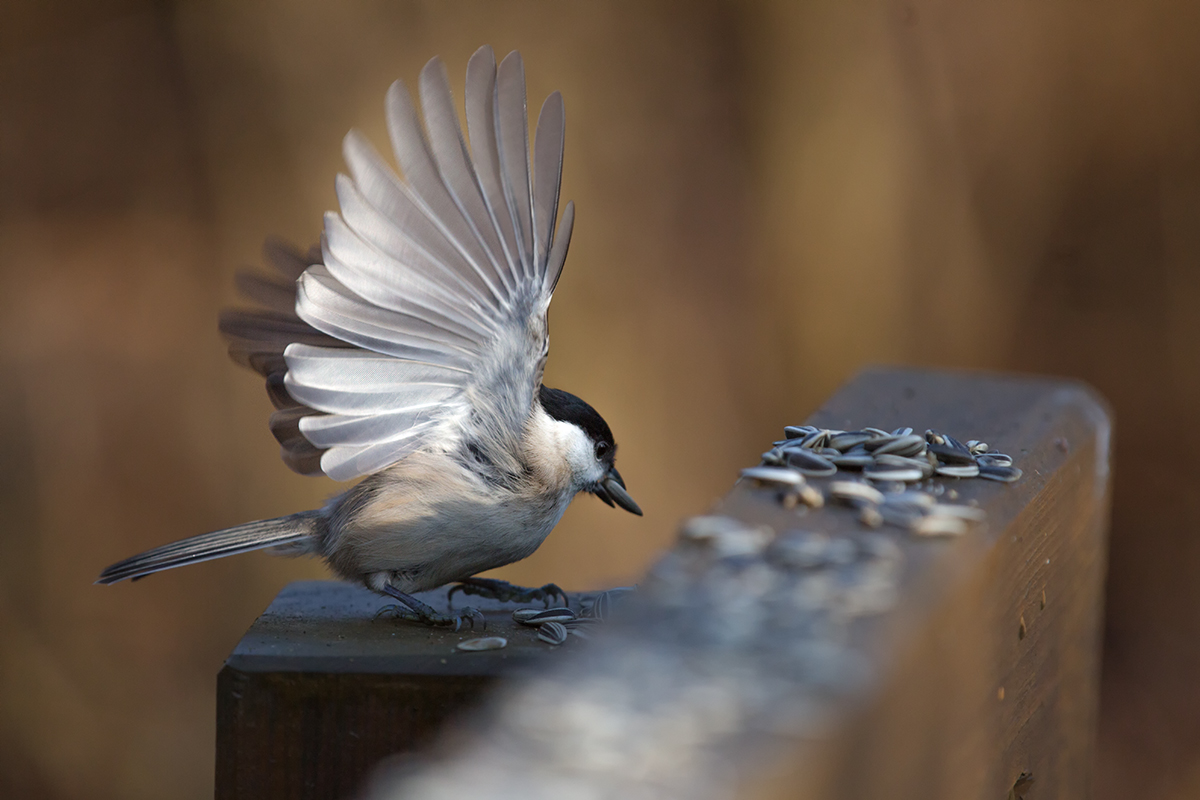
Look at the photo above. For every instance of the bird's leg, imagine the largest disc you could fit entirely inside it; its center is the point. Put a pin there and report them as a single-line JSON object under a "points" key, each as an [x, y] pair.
{"points": [[505, 592], [416, 611]]}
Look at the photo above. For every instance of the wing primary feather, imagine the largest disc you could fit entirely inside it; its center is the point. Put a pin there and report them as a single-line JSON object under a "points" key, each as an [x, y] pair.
{"points": [[420, 171], [454, 163], [513, 145], [547, 174], [480, 104], [410, 219], [558, 251]]}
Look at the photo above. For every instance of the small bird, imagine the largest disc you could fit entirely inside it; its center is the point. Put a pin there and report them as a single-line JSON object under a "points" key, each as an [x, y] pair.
{"points": [[409, 352]]}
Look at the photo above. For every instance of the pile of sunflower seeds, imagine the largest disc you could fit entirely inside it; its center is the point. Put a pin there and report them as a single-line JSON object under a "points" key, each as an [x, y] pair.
{"points": [[898, 472]]}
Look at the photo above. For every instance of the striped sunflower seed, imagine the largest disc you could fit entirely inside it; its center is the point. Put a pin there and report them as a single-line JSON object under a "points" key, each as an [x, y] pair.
{"points": [[810, 463], [553, 633], [958, 470], [997, 473]]}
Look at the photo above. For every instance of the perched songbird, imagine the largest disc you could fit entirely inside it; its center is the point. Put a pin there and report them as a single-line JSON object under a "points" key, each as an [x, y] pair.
{"points": [[409, 352]]}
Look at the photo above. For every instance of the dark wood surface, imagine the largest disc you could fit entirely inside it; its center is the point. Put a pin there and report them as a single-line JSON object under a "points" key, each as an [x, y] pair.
{"points": [[320, 689], [981, 677]]}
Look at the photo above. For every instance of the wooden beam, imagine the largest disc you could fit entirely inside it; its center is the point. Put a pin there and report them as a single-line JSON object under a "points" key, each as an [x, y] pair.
{"points": [[777, 651], [321, 689], [783, 652]]}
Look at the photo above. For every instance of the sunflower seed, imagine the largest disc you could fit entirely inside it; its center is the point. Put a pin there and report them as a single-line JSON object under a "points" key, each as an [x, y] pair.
{"points": [[779, 475], [773, 458], [902, 432], [903, 516], [940, 525], [994, 459], [923, 467], [522, 615], [876, 432], [954, 456], [549, 615], [870, 516], [977, 447], [810, 463], [884, 472], [969, 513], [997, 473], [921, 501], [908, 445], [553, 633], [798, 431], [854, 491], [959, 470], [933, 437], [811, 497], [483, 643], [845, 441], [818, 439], [853, 461]]}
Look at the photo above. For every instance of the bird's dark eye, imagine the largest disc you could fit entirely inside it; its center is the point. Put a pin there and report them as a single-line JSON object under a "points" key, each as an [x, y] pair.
{"points": [[601, 449]]}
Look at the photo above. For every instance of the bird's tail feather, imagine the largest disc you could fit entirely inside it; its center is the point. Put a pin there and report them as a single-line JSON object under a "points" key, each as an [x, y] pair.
{"points": [[291, 532]]}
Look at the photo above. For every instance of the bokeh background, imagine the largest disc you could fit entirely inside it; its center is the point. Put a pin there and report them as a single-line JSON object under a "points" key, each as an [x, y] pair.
{"points": [[770, 194]]}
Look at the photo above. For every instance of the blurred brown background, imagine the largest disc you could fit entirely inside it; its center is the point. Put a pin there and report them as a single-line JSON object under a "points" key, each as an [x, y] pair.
{"points": [[770, 195]]}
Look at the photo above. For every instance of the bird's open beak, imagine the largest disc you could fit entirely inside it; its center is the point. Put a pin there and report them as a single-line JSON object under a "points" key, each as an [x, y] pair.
{"points": [[612, 491]]}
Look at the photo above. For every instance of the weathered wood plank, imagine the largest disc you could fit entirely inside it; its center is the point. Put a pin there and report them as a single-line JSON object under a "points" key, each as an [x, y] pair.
{"points": [[896, 667], [320, 690]]}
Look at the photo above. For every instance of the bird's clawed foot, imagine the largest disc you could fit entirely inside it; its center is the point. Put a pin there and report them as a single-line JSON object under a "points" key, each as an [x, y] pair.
{"points": [[413, 610], [505, 592]]}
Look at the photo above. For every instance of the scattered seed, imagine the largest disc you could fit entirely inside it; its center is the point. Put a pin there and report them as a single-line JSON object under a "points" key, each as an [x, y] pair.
{"points": [[556, 615], [553, 633], [483, 643]]}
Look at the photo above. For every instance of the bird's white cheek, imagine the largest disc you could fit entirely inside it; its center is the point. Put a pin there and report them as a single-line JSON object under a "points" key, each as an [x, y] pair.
{"points": [[580, 456]]}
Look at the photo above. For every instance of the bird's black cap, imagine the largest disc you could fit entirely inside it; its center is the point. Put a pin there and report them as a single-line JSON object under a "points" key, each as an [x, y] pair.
{"points": [[566, 407]]}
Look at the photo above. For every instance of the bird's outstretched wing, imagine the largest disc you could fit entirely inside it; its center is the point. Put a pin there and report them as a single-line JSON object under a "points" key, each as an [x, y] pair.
{"points": [[427, 311]]}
